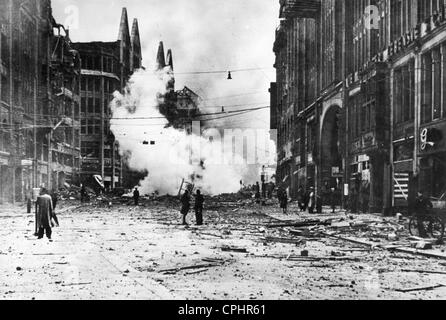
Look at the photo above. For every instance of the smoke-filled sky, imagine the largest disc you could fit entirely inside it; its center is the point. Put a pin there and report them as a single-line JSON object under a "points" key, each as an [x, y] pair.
{"points": [[204, 35]]}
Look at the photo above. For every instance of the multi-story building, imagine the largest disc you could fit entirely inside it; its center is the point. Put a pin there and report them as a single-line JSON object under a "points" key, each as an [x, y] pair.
{"points": [[375, 127], [417, 59], [297, 53], [106, 68], [39, 80]]}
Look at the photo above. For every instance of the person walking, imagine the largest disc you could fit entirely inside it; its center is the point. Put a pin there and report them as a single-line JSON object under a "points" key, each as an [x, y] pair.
{"points": [[199, 201], [185, 205], [136, 196], [45, 215]]}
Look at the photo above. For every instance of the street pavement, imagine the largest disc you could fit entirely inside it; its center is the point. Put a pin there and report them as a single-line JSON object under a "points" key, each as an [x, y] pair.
{"points": [[138, 253]]}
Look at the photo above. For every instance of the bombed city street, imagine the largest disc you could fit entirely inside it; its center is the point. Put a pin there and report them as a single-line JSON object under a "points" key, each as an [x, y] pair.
{"points": [[222, 150], [242, 252]]}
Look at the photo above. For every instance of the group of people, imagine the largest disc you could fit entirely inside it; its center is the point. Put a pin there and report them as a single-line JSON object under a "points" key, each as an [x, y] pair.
{"points": [[198, 207], [306, 200]]}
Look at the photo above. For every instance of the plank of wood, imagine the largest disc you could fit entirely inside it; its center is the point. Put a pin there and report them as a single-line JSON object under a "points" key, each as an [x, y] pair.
{"points": [[76, 284], [198, 266], [233, 249], [419, 252], [357, 241], [196, 271], [424, 271], [420, 288]]}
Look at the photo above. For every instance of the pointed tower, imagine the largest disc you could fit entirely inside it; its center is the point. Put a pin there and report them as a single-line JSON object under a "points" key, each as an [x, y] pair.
{"points": [[169, 61], [124, 33], [160, 58], [136, 46], [125, 46]]}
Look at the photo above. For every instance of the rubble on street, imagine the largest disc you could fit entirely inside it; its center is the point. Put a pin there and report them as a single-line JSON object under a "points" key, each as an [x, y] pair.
{"points": [[254, 252]]}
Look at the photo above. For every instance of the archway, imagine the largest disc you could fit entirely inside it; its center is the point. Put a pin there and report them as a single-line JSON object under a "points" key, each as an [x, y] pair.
{"points": [[331, 157]]}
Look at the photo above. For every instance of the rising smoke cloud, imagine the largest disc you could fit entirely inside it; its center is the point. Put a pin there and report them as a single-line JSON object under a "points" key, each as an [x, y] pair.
{"points": [[214, 166]]}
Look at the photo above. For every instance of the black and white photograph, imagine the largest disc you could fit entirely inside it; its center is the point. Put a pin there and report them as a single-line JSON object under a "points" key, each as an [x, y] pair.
{"points": [[222, 150]]}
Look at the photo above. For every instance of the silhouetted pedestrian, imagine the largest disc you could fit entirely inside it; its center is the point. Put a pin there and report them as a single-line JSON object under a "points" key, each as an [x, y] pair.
{"points": [[185, 205], [44, 215], [136, 196], [199, 201]]}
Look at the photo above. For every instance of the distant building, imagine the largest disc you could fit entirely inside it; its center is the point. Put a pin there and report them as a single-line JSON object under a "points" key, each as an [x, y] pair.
{"points": [[106, 68], [180, 107]]}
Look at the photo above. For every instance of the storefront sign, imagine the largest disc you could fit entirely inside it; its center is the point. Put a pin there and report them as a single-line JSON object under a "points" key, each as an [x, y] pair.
{"points": [[27, 163]]}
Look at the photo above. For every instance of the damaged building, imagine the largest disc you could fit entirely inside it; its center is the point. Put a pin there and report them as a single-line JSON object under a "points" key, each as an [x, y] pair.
{"points": [[106, 68], [358, 102], [180, 107], [39, 108]]}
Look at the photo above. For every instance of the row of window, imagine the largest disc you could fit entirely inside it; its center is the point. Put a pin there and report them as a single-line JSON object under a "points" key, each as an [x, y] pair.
{"points": [[92, 126], [404, 93], [362, 115], [93, 105], [93, 84], [106, 64], [433, 71]]}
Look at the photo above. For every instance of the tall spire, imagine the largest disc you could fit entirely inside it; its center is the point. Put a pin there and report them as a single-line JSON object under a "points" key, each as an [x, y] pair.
{"points": [[124, 33], [160, 59], [136, 46], [170, 59]]}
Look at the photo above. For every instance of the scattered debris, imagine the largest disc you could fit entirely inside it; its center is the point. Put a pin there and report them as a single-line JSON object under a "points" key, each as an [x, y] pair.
{"points": [[234, 249]]}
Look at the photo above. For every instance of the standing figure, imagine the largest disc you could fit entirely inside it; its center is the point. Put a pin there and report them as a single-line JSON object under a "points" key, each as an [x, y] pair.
{"points": [[301, 198], [283, 199], [333, 199], [83, 193], [54, 198], [421, 207], [199, 201], [311, 200], [136, 196], [185, 205], [44, 215], [257, 192]]}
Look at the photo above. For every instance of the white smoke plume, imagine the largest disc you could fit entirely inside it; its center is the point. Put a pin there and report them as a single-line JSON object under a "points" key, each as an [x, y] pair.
{"points": [[173, 156]]}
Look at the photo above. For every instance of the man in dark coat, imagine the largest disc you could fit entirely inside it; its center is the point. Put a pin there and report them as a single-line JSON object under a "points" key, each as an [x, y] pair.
{"points": [[199, 201], [44, 215], [54, 198], [421, 208], [185, 205], [136, 196], [83, 193]]}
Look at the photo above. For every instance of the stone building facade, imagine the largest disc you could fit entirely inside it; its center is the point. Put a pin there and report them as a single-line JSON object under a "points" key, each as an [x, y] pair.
{"points": [[106, 68], [373, 125]]}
